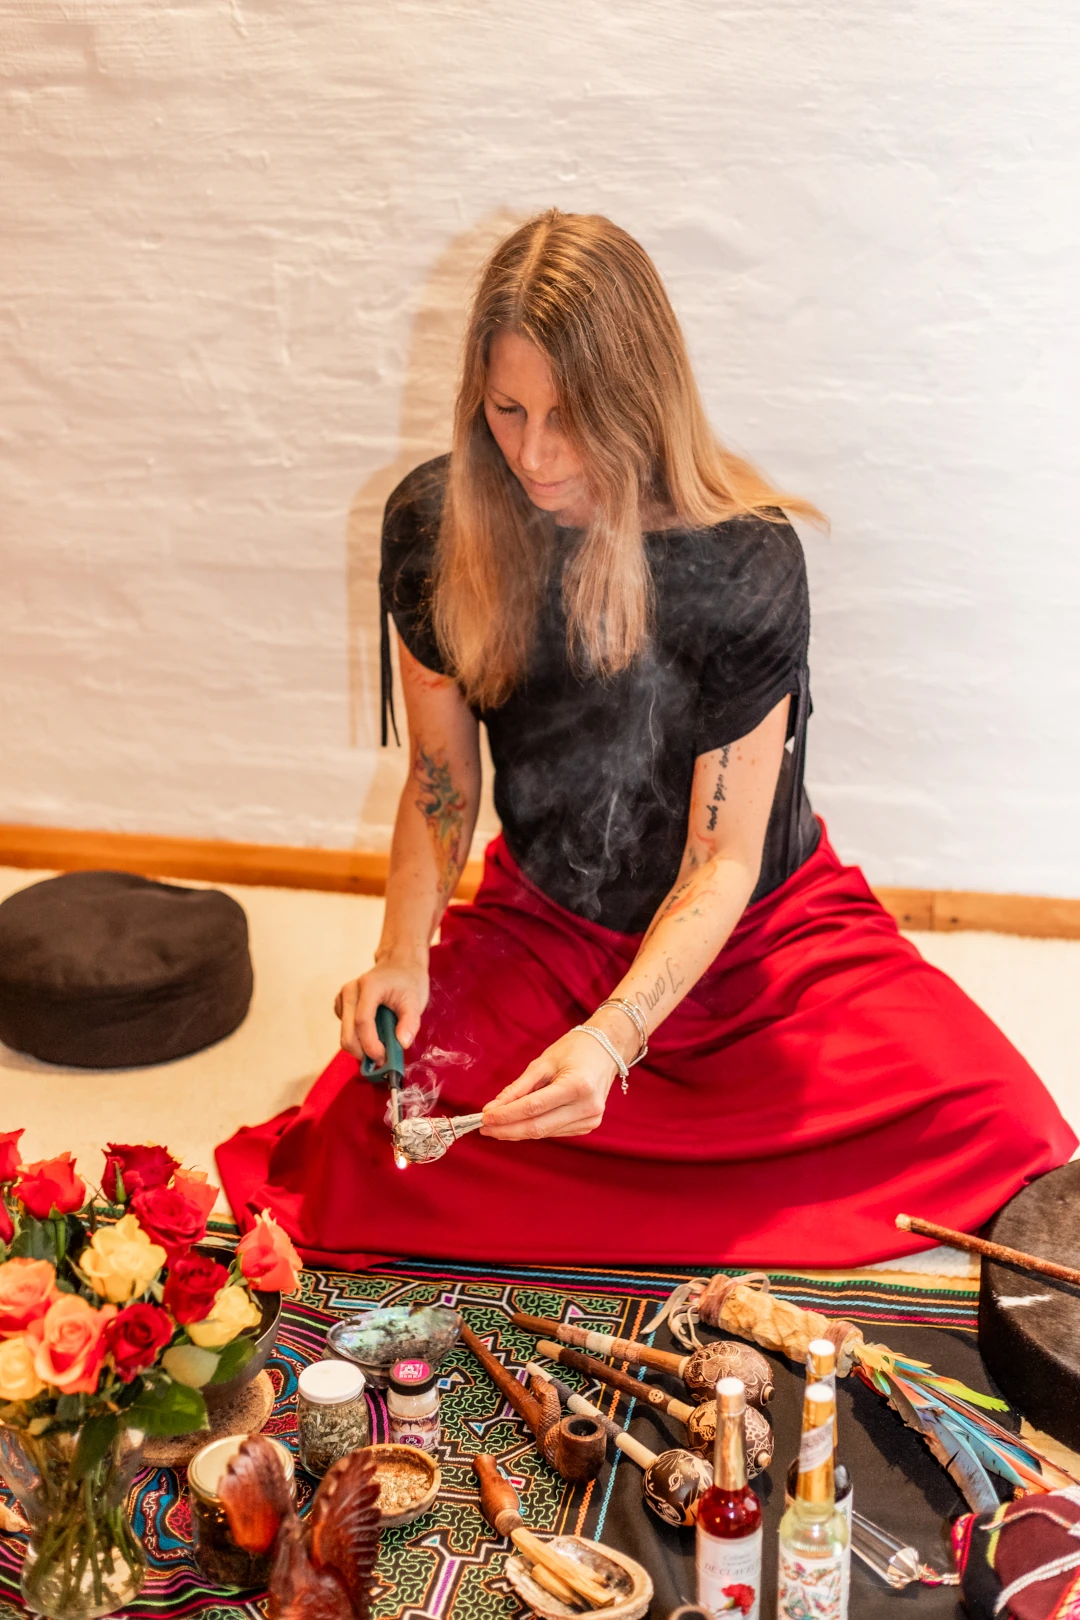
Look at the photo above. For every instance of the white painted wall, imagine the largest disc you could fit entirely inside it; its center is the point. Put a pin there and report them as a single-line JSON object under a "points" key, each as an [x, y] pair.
{"points": [[236, 240]]}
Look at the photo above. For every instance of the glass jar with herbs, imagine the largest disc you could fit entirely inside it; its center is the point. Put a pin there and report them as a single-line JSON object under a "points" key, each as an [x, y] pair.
{"points": [[332, 1416]]}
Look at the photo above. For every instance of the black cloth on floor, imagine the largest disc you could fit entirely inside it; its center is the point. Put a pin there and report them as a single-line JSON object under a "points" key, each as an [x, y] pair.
{"points": [[895, 1482], [105, 970]]}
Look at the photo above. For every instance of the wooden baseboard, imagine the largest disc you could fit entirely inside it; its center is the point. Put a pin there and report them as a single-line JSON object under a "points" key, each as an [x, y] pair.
{"points": [[284, 866]]}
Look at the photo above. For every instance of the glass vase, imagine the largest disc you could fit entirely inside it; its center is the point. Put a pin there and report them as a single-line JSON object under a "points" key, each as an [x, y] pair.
{"points": [[84, 1559]]}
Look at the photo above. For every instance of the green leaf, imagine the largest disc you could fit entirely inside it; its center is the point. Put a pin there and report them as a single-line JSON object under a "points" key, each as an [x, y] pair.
{"points": [[168, 1409], [95, 1438], [234, 1358], [36, 1241], [68, 1408]]}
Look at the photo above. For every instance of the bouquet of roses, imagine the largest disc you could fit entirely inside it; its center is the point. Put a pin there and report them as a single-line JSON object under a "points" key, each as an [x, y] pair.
{"points": [[110, 1319]]}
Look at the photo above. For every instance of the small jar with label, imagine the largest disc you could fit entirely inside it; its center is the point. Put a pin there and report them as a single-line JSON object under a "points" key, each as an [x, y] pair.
{"points": [[412, 1400], [331, 1414], [219, 1560]]}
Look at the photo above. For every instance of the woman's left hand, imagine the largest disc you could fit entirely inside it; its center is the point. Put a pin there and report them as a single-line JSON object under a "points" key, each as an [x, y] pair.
{"points": [[561, 1093]]}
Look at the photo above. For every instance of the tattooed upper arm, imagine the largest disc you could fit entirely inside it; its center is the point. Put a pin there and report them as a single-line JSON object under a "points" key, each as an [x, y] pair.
{"points": [[444, 807], [733, 791], [444, 775]]}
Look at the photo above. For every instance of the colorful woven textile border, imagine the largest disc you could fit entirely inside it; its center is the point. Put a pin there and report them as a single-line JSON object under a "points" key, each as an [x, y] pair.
{"points": [[449, 1561]]}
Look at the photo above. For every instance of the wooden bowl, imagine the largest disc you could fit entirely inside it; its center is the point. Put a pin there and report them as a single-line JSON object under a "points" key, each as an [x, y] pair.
{"points": [[415, 1460], [634, 1584]]}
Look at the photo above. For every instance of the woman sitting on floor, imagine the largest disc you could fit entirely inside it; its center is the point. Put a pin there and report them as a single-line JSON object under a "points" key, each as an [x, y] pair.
{"points": [[623, 604]]}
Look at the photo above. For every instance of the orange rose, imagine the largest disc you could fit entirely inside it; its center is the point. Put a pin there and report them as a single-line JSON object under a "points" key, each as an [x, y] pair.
{"points": [[267, 1258], [195, 1187], [69, 1344], [27, 1289]]}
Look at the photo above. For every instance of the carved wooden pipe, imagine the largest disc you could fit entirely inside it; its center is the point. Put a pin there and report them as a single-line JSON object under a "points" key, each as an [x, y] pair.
{"points": [[500, 1507], [700, 1421], [673, 1481], [575, 1447], [699, 1371]]}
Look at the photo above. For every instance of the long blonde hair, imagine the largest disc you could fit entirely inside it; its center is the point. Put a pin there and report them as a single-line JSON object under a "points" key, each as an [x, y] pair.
{"points": [[590, 299]]}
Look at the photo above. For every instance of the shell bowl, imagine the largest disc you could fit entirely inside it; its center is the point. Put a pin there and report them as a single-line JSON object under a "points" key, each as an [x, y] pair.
{"points": [[634, 1584]]}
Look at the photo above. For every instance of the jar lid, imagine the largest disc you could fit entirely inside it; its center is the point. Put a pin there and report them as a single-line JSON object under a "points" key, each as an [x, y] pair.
{"points": [[411, 1378], [206, 1468], [328, 1383]]}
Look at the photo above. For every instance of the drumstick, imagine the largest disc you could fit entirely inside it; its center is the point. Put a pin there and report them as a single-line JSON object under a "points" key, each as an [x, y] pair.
{"points": [[993, 1251]]}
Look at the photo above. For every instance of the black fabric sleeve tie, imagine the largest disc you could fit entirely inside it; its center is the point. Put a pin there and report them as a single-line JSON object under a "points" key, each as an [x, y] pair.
{"points": [[798, 763], [386, 679]]}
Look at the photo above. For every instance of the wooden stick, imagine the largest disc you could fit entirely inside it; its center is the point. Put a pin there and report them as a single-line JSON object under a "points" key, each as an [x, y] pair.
{"points": [[993, 1251], [649, 1393], [602, 1344]]}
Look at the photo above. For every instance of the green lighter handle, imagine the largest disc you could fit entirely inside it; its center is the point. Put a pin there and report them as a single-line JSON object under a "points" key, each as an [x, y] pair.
{"points": [[394, 1061]]}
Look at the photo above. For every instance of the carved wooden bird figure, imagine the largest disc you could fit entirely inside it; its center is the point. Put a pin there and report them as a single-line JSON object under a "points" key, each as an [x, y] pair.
{"points": [[322, 1566]]}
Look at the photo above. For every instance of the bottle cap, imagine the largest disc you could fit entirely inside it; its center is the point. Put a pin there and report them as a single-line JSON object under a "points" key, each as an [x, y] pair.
{"points": [[730, 1396], [411, 1378], [818, 1395], [820, 1358], [328, 1383]]}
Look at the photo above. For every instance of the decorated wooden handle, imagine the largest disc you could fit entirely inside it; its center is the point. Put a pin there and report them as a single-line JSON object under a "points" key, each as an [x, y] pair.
{"points": [[601, 1344], [498, 1498], [777, 1325], [615, 1379]]}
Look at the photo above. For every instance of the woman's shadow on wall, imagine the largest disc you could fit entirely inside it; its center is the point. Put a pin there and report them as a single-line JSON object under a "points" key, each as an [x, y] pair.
{"points": [[427, 402]]}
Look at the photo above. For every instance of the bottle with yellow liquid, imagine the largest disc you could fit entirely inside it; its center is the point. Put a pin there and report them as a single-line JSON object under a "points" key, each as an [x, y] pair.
{"points": [[813, 1531], [821, 1369]]}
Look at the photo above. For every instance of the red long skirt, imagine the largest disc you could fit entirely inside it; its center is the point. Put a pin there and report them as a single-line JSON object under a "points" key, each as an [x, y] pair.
{"points": [[819, 1078]]}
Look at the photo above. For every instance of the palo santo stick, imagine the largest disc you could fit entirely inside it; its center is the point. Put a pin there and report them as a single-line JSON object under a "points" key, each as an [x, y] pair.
{"points": [[993, 1251]]}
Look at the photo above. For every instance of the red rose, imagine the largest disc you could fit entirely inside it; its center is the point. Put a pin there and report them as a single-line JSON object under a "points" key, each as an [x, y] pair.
{"points": [[137, 1165], [134, 1338], [9, 1155], [7, 1225], [51, 1184], [191, 1287], [169, 1217]]}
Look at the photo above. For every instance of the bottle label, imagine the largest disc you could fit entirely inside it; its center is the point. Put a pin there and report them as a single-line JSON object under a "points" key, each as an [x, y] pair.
{"points": [[811, 1587], [729, 1574], [422, 1430], [816, 1447]]}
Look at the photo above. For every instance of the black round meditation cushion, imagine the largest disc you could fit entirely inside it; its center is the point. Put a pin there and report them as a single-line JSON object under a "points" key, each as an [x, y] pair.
{"points": [[105, 970]]}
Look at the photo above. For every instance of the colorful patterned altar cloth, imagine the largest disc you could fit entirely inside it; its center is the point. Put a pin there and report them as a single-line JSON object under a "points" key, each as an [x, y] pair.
{"points": [[450, 1564]]}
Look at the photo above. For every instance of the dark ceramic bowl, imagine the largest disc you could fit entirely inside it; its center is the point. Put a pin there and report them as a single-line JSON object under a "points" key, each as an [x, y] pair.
{"points": [[217, 1395]]}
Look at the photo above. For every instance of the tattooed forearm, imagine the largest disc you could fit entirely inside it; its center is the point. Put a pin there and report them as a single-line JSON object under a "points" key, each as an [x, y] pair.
{"points": [[667, 983], [719, 796], [443, 807]]}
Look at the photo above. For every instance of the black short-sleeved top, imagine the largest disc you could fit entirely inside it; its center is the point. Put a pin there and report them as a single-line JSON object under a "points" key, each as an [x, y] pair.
{"points": [[593, 776]]}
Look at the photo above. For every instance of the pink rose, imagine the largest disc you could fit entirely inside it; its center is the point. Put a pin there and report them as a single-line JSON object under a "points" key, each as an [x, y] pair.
{"points": [[69, 1344], [267, 1257], [51, 1184], [27, 1289]]}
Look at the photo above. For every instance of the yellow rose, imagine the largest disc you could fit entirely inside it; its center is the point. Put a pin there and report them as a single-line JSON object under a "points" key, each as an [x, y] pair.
{"points": [[233, 1311], [18, 1380], [121, 1262]]}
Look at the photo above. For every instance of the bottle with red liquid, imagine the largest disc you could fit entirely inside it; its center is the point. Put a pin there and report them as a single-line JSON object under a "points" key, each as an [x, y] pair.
{"points": [[729, 1517]]}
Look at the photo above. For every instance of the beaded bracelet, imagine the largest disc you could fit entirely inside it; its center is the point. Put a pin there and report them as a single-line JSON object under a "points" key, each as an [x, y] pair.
{"points": [[636, 1018], [609, 1048]]}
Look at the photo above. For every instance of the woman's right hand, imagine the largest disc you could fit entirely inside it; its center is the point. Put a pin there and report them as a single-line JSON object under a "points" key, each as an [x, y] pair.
{"points": [[404, 986]]}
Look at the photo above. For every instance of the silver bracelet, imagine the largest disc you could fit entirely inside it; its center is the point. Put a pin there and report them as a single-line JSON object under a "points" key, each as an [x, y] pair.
{"points": [[636, 1018], [609, 1048]]}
